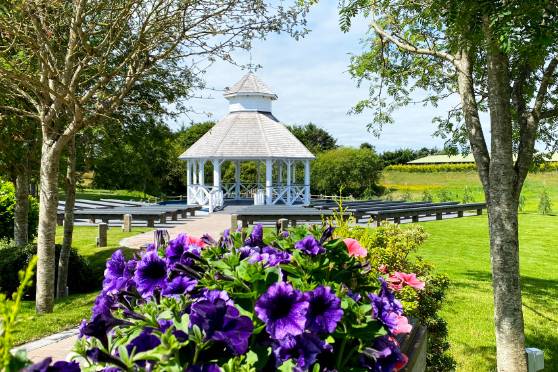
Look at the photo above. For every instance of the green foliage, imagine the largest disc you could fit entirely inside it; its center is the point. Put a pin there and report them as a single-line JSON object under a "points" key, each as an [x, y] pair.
{"points": [[7, 206], [394, 248], [8, 315], [467, 195], [427, 196], [545, 204], [428, 168], [13, 259], [403, 156], [315, 139], [406, 196], [354, 171], [445, 195], [521, 204]]}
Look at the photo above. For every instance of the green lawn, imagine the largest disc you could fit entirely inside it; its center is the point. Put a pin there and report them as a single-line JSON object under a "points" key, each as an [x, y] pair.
{"points": [[416, 183], [460, 248], [97, 194], [70, 311]]}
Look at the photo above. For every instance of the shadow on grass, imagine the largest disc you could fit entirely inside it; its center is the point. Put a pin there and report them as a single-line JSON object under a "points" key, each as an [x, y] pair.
{"points": [[98, 261]]}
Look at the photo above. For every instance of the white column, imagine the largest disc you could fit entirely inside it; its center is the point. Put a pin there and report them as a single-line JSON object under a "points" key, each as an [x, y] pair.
{"points": [[237, 179], [194, 173], [201, 172], [188, 181], [289, 191], [307, 182], [258, 178], [269, 181], [217, 174], [280, 165]]}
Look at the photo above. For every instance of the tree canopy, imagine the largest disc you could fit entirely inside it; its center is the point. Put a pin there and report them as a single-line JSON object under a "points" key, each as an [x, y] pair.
{"points": [[316, 139]]}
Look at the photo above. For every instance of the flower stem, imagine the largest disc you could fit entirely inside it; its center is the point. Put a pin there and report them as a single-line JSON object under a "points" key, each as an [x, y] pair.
{"points": [[340, 355]]}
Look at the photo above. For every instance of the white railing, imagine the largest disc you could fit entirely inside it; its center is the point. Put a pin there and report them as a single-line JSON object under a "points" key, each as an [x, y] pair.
{"points": [[246, 189], [206, 196]]}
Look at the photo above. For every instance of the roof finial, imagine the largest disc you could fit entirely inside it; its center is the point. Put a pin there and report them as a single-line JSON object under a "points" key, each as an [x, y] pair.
{"points": [[251, 66]]}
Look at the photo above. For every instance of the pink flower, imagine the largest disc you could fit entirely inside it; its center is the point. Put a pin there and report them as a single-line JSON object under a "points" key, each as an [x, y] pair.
{"points": [[383, 269], [192, 240], [403, 325], [398, 279], [354, 248]]}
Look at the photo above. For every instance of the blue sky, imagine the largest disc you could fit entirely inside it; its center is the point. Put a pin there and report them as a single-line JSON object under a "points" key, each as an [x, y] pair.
{"points": [[311, 79]]}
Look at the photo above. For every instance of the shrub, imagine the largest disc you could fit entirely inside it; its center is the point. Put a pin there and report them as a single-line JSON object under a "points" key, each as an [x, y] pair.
{"points": [[14, 259], [432, 168], [7, 206], [545, 204], [354, 171], [467, 195], [406, 196], [427, 196], [445, 195]]}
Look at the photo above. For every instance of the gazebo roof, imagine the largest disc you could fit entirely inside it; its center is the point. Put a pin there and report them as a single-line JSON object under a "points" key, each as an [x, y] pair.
{"points": [[246, 135], [249, 131], [250, 84]]}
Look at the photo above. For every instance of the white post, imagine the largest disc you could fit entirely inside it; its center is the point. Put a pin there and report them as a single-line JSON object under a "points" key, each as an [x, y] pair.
{"points": [[306, 182], [237, 179], [188, 181], [258, 178], [280, 165], [289, 201], [194, 172], [269, 181], [217, 174], [201, 172]]}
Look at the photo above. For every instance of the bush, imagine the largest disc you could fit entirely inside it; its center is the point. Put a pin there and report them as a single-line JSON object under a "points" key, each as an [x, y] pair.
{"points": [[7, 206], [467, 195], [14, 259], [350, 171], [431, 168], [545, 204], [445, 195], [427, 196]]}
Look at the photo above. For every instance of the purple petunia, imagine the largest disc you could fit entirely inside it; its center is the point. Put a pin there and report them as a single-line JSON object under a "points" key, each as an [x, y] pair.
{"points": [[256, 237], [103, 304], [383, 356], [385, 307], [181, 249], [179, 286], [328, 233], [99, 327], [283, 310], [60, 366], [204, 368], [309, 245], [324, 311], [118, 273], [303, 349], [222, 322], [151, 274], [145, 341], [270, 257]]}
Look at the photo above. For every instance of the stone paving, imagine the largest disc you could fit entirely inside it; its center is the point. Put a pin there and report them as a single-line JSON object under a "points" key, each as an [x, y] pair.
{"points": [[57, 346]]}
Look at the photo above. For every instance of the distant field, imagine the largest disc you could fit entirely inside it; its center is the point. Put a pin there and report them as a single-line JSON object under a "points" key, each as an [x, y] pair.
{"points": [[414, 184], [97, 194]]}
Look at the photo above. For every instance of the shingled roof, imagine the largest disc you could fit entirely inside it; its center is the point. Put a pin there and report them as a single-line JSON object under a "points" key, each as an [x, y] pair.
{"points": [[246, 134], [249, 84]]}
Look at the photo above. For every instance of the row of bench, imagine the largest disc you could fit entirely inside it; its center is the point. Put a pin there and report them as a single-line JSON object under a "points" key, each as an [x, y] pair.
{"points": [[376, 211], [110, 209]]}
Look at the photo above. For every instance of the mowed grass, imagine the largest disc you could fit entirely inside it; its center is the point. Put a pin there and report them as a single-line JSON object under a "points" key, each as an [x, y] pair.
{"points": [[414, 184], [70, 311], [98, 194], [460, 248]]}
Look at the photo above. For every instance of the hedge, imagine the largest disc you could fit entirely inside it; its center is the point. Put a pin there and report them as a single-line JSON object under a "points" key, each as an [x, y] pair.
{"points": [[7, 206]]}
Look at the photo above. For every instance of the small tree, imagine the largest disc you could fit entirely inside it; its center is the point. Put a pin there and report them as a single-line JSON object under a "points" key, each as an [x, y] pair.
{"points": [[545, 204], [316, 139], [427, 196], [467, 195]]}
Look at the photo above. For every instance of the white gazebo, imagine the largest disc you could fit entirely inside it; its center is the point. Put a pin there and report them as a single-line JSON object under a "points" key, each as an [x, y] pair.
{"points": [[249, 132]]}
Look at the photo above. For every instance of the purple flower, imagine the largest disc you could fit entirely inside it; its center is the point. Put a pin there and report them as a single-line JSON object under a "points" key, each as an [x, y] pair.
{"points": [[165, 324], [118, 273], [145, 341], [180, 248], [328, 233], [285, 234], [61, 366], [309, 245], [221, 322], [383, 356], [178, 286], [283, 310], [214, 294], [324, 311], [303, 349], [100, 326], [256, 237], [385, 307], [354, 295], [151, 274], [246, 252], [103, 304], [270, 257]]}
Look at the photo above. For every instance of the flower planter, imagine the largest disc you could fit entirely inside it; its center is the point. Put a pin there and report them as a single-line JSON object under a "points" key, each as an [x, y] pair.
{"points": [[414, 345]]}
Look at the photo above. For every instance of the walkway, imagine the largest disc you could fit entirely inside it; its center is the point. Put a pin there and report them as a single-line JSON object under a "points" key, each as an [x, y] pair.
{"points": [[213, 224]]}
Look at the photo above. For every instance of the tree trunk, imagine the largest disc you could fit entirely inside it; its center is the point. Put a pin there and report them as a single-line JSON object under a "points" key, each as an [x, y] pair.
{"points": [[50, 157], [62, 281], [503, 200], [21, 212]]}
